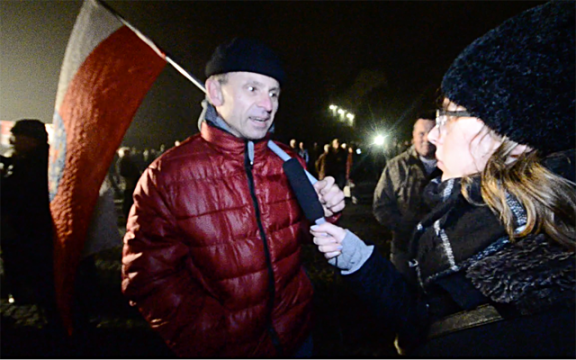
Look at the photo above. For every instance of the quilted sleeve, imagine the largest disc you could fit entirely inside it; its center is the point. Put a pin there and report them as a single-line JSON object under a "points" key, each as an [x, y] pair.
{"points": [[156, 277]]}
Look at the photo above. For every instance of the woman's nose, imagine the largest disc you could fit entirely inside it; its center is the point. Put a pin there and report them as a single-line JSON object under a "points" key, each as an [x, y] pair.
{"points": [[434, 134]]}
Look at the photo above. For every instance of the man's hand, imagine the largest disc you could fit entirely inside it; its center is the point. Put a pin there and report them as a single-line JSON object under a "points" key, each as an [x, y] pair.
{"points": [[330, 196]]}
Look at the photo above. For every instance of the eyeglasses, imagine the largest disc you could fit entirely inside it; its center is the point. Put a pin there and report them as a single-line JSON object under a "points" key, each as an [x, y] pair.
{"points": [[442, 117]]}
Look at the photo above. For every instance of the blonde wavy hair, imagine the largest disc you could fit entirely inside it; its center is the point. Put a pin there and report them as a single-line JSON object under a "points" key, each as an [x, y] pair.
{"points": [[548, 199]]}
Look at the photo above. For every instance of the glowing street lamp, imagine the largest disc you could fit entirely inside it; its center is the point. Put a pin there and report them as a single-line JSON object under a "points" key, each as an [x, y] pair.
{"points": [[379, 140], [350, 118], [342, 114]]}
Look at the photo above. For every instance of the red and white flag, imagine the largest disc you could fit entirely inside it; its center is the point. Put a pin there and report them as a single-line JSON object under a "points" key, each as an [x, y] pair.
{"points": [[107, 70]]}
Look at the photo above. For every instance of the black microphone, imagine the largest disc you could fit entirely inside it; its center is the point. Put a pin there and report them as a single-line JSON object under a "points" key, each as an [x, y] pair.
{"points": [[304, 191]]}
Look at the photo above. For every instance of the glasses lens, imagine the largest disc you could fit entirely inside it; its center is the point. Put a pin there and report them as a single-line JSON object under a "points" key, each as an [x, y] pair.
{"points": [[443, 115], [440, 121]]}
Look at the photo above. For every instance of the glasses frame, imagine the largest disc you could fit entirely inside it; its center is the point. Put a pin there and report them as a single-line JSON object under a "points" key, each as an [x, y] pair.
{"points": [[442, 117]]}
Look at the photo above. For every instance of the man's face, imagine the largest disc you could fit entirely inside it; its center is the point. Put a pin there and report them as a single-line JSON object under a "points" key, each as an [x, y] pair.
{"points": [[335, 144], [249, 103], [23, 144], [420, 138]]}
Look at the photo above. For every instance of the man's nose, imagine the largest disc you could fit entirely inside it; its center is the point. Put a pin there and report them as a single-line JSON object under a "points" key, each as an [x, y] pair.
{"points": [[266, 102]]}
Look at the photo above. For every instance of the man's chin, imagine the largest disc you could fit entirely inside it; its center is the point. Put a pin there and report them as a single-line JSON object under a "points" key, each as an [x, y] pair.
{"points": [[256, 135], [427, 152]]}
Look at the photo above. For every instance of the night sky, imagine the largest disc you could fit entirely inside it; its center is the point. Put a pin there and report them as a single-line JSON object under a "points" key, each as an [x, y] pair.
{"points": [[382, 60]]}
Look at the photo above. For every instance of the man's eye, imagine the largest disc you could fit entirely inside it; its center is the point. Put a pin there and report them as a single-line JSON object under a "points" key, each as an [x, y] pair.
{"points": [[251, 88], [274, 94]]}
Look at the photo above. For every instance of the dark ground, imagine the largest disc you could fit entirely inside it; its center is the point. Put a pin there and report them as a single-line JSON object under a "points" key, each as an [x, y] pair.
{"points": [[344, 327]]}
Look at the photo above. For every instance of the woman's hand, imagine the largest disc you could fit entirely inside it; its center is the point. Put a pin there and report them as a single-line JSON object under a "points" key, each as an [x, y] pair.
{"points": [[329, 238]]}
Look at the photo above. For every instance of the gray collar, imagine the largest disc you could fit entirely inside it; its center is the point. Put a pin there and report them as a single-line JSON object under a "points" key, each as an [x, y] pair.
{"points": [[210, 115]]}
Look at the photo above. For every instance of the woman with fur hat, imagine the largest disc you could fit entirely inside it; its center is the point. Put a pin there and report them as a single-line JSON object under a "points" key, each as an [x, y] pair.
{"points": [[495, 258]]}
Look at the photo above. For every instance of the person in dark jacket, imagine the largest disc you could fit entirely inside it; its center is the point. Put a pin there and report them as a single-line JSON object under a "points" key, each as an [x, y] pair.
{"points": [[495, 258], [26, 222], [314, 154], [128, 170], [212, 248], [334, 163], [26, 225], [398, 198], [303, 153]]}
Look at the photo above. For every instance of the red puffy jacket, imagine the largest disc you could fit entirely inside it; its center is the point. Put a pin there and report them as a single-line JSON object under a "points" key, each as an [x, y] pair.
{"points": [[212, 250]]}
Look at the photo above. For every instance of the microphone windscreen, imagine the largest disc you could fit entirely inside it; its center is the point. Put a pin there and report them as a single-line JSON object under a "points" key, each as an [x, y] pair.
{"points": [[303, 189]]}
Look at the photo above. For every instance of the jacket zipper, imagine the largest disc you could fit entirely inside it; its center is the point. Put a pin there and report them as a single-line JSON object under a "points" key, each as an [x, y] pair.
{"points": [[248, 163]]}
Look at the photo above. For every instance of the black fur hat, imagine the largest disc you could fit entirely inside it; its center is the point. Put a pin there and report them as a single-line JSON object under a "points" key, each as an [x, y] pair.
{"points": [[245, 54], [519, 78]]}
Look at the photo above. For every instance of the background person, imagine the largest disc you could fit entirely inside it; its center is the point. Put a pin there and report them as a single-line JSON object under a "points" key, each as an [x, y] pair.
{"points": [[128, 170], [334, 163], [320, 163], [26, 225], [303, 153], [398, 198]]}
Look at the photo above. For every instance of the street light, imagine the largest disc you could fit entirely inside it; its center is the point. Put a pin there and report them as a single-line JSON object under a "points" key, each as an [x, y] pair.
{"points": [[350, 117], [379, 140], [342, 114]]}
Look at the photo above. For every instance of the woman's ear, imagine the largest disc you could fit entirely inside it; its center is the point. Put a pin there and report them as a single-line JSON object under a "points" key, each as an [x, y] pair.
{"points": [[520, 149], [214, 92], [517, 152]]}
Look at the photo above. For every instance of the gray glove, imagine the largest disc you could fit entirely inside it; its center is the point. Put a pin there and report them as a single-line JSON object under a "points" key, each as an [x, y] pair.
{"points": [[354, 254]]}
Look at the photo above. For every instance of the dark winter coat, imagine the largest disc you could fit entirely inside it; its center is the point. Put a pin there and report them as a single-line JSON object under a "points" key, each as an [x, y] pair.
{"points": [[26, 228], [334, 164], [465, 262], [398, 202]]}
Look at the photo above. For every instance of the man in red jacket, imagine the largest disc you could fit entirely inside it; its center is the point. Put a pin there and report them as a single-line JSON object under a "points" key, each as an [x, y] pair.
{"points": [[212, 247]]}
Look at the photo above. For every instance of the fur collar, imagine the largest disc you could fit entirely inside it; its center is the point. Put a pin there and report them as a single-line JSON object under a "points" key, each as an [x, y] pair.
{"points": [[532, 274]]}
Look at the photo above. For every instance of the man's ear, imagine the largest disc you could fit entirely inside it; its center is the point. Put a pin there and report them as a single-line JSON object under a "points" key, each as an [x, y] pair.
{"points": [[214, 92]]}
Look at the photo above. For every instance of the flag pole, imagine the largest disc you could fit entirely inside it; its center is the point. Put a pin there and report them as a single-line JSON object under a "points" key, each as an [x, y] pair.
{"points": [[151, 43], [187, 75]]}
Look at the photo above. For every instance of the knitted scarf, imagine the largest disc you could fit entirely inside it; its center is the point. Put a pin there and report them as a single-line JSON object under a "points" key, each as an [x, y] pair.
{"points": [[532, 273]]}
